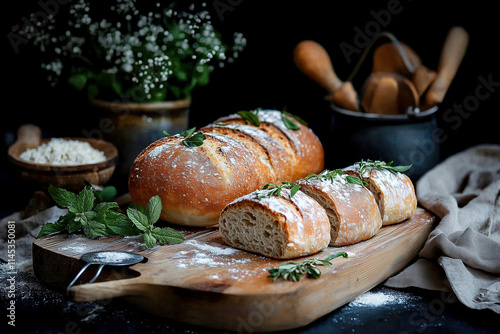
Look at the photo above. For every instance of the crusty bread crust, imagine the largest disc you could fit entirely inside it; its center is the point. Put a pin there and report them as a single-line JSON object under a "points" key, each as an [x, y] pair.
{"points": [[196, 183], [394, 192], [351, 208], [281, 227]]}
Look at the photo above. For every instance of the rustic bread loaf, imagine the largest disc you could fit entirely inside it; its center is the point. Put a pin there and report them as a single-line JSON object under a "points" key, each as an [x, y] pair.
{"points": [[351, 208], [393, 191], [196, 183], [279, 227]]}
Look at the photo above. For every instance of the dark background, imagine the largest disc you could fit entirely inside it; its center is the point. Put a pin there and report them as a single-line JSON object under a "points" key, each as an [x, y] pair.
{"points": [[265, 76]]}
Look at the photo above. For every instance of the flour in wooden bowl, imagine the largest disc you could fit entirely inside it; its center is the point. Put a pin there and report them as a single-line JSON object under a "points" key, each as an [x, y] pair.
{"points": [[64, 152]]}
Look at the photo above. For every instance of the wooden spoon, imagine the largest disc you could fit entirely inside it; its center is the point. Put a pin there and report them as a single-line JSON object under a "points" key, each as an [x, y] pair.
{"points": [[389, 94], [313, 60], [452, 54], [422, 79], [387, 58]]}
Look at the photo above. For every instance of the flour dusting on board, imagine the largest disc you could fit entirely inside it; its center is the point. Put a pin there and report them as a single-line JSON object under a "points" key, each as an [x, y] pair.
{"points": [[207, 255]]}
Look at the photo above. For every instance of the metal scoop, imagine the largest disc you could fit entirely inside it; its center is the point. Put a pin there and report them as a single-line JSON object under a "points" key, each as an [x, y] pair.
{"points": [[106, 258]]}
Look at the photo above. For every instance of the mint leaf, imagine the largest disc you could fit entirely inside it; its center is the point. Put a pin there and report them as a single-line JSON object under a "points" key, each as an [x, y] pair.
{"points": [[137, 207], [85, 200], [289, 123], [149, 240], [153, 209], [195, 140], [95, 229], [139, 219], [249, 117], [187, 132], [58, 226], [167, 235], [119, 224], [296, 117], [63, 197], [74, 226]]}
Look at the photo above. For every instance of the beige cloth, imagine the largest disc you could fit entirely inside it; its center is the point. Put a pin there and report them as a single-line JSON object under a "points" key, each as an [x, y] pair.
{"points": [[462, 253]]}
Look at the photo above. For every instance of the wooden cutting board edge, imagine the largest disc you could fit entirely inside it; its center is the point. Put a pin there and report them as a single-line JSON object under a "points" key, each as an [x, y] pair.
{"points": [[229, 308]]}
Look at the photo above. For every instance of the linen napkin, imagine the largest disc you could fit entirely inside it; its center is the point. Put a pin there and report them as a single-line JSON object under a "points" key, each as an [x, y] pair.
{"points": [[462, 253]]}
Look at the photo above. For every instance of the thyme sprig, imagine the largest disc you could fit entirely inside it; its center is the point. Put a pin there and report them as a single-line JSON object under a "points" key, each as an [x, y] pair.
{"points": [[270, 189], [330, 175], [365, 165], [293, 270]]}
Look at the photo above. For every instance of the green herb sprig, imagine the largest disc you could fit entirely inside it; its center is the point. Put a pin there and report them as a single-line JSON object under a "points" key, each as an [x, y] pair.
{"points": [[330, 175], [293, 270], [275, 190], [102, 219], [381, 165], [191, 140]]}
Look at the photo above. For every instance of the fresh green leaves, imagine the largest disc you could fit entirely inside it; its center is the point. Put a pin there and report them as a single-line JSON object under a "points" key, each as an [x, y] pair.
{"points": [[144, 220], [300, 120], [100, 219], [191, 140], [370, 164], [293, 270], [331, 175], [289, 123], [271, 189], [250, 117], [194, 140]]}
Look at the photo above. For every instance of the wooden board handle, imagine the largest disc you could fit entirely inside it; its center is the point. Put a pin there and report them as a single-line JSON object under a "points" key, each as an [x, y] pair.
{"points": [[110, 289], [452, 54], [313, 60]]}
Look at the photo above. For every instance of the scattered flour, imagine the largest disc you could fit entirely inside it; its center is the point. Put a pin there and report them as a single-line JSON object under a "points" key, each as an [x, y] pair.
{"points": [[74, 248], [63, 152], [381, 298]]}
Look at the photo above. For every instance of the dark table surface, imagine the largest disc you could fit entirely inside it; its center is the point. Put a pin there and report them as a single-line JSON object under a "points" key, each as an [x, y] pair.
{"points": [[40, 309]]}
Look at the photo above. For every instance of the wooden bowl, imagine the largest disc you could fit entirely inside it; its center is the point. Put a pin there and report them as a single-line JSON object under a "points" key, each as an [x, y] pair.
{"points": [[72, 177]]}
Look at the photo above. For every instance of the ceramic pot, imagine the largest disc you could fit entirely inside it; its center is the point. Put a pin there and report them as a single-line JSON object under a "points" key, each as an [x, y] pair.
{"points": [[131, 127]]}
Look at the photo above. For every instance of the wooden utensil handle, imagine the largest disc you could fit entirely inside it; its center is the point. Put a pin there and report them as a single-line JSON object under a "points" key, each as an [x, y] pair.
{"points": [[313, 60], [110, 289], [30, 135], [451, 56]]}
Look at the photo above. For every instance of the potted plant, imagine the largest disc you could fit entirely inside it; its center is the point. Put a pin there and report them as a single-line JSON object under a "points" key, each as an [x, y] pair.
{"points": [[140, 61]]}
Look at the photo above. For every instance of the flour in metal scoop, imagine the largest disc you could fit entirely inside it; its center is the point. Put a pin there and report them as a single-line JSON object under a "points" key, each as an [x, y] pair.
{"points": [[111, 257]]}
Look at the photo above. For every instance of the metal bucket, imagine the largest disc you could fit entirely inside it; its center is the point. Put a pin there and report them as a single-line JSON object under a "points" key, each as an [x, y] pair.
{"points": [[411, 138]]}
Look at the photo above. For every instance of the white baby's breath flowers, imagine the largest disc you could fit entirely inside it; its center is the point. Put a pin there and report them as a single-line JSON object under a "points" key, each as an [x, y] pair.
{"points": [[157, 53]]}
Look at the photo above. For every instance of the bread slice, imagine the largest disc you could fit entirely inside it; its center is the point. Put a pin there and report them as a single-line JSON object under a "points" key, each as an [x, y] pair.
{"points": [[351, 208], [393, 191], [280, 227]]}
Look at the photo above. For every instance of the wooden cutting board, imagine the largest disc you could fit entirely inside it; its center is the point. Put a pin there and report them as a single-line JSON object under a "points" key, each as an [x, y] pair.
{"points": [[204, 282]]}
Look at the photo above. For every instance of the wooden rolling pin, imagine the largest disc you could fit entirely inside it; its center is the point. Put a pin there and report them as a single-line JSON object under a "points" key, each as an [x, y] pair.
{"points": [[452, 54], [313, 60]]}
